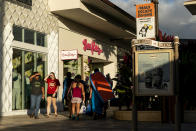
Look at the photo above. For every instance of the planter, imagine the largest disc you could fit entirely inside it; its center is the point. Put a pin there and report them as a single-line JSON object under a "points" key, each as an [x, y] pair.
{"points": [[189, 116], [151, 116]]}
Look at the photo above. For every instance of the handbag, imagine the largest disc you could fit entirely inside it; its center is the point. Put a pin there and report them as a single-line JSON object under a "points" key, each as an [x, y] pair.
{"points": [[83, 109], [88, 108], [43, 103]]}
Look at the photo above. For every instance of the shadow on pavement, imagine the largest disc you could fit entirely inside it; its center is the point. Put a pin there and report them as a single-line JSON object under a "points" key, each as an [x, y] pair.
{"points": [[61, 123]]}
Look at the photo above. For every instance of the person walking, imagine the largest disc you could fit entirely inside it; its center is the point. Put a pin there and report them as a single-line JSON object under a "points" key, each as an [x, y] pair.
{"points": [[53, 85], [97, 104], [37, 93], [65, 96], [77, 92], [100, 93], [108, 78]]}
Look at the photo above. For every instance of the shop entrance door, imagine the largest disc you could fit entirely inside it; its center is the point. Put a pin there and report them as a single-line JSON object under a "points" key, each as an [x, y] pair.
{"points": [[73, 66], [97, 63], [97, 66]]}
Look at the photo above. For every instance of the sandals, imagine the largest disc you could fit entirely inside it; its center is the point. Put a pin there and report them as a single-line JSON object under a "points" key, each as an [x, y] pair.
{"points": [[73, 117], [47, 116], [31, 115]]}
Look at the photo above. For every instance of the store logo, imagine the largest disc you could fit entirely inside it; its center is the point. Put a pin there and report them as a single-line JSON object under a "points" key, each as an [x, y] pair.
{"points": [[69, 54], [91, 46]]}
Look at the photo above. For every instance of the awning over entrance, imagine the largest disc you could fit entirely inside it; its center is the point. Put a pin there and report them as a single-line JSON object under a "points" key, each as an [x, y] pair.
{"points": [[191, 6], [99, 15], [96, 60]]}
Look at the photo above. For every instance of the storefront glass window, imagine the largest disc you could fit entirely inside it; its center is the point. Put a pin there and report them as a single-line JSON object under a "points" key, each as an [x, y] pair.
{"points": [[73, 66], [24, 64], [29, 69], [41, 64], [29, 36], [17, 32], [17, 80], [27, 2], [40, 39]]}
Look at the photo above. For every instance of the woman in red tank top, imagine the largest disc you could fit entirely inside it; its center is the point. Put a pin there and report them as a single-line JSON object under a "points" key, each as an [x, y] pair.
{"points": [[77, 94]]}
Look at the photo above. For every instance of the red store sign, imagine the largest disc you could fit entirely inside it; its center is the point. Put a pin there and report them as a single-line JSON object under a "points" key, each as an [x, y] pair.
{"points": [[91, 46]]}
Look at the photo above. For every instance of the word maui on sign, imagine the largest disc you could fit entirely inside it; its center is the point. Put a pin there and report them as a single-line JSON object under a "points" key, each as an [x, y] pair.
{"points": [[145, 11], [145, 20], [91, 46]]}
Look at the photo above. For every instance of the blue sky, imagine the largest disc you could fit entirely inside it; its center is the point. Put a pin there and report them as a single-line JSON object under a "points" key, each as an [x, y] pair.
{"points": [[174, 18]]}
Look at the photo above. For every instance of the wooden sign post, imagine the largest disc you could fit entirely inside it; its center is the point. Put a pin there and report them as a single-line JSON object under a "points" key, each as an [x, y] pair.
{"points": [[134, 107], [164, 58], [178, 101]]}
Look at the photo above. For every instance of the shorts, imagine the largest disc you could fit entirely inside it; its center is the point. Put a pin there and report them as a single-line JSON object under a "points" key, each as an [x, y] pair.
{"points": [[76, 100], [50, 95]]}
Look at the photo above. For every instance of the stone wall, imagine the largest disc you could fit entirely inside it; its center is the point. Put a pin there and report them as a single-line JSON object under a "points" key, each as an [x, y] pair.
{"points": [[36, 17]]}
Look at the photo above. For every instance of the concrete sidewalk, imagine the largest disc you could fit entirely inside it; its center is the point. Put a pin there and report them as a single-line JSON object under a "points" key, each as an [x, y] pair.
{"points": [[61, 123]]}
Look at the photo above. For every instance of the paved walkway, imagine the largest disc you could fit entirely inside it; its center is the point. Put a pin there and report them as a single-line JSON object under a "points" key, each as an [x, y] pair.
{"points": [[62, 123]]}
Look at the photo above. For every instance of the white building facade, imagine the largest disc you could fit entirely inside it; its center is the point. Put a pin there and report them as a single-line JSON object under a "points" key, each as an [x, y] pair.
{"points": [[34, 33], [29, 40]]}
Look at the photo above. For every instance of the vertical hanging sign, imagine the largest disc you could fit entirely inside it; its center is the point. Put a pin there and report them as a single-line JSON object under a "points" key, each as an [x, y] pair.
{"points": [[145, 16]]}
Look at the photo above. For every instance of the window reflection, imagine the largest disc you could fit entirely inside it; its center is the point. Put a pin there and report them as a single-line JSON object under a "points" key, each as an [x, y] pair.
{"points": [[73, 66], [41, 64], [17, 80], [40, 39], [24, 64], [29, 36], [28, 2], [17, 32], [29, 68]]}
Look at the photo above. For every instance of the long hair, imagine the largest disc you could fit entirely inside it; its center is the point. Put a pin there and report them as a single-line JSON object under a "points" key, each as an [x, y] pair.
{"points": [[53, 74], [77, 79]]}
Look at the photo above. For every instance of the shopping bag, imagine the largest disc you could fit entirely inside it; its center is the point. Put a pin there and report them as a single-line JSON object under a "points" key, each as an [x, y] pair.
{"points": [[83, 109], [88, 108], [43, 103]]}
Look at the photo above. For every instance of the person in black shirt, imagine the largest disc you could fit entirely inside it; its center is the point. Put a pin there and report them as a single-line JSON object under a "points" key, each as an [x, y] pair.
{"points": [[65, 96], [37, 93]]}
